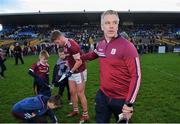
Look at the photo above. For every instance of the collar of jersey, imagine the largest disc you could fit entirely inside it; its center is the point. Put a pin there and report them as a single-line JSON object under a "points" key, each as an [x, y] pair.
{"points": [[42, 63], [114, 38]]}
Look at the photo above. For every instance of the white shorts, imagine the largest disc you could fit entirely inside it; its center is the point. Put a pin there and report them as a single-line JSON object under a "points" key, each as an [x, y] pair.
{"points": [[79, 77]]}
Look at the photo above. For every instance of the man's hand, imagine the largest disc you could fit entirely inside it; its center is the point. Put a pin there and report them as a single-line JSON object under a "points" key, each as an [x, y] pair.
{"points": [[127, 112], [68, 74]]}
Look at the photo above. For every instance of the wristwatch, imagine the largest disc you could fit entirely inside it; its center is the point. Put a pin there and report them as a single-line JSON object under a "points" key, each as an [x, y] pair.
{"points": [[129, 104]]}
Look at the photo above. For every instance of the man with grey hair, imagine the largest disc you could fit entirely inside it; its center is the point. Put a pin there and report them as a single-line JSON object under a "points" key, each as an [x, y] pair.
{"points": [[120, 73]]}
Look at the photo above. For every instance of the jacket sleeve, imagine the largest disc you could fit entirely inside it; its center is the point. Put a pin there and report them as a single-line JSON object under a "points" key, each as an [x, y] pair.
{"points": [[37, 79], [32, 71], [133, 65], [65, 68], [55, 71], [89, 56]]}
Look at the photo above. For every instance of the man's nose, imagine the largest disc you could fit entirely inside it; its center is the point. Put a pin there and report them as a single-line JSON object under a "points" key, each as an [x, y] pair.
{"points": [[111, 25]]}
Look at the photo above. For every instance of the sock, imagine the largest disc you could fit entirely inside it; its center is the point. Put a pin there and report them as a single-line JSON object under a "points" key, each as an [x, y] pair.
{"points": [[75, 109], [85, 113]]}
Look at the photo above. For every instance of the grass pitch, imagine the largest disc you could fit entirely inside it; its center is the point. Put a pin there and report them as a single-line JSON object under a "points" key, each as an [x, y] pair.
{"points": [[158, 99]]}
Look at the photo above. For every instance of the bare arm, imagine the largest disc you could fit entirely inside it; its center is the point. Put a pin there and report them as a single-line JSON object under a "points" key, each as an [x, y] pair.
{"points": [[78, 62]]}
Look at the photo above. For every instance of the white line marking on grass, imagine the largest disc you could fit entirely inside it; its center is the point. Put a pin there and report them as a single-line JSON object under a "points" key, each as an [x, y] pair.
{"points": [[169, 74]]}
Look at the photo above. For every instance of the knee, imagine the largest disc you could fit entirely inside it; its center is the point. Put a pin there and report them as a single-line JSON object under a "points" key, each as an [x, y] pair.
{"points": [[80, 93]]}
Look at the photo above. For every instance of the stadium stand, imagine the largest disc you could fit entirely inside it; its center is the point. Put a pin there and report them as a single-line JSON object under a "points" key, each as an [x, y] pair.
{"points": [[33, 34]]}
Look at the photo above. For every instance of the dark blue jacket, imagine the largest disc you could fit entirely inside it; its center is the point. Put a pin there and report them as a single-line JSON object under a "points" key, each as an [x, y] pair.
{"points": [[36, 105], [45, 89], [59, 69]]}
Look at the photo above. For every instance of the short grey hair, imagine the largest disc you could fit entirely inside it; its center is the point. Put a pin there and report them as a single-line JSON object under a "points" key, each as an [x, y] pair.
{"points": [[109, 12]]}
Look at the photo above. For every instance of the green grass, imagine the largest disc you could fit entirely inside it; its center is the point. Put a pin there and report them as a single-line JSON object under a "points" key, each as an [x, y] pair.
{"points": [[158, 99]]}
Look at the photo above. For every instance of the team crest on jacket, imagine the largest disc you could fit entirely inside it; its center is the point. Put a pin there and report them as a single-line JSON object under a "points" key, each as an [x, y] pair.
{"points": [[113, 51]]}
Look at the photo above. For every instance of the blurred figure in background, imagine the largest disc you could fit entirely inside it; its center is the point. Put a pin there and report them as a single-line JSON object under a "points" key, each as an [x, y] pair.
{"points": [[18, 54], [2, 64]]}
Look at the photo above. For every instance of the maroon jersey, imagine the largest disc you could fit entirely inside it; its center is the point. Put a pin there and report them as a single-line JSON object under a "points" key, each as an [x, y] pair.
{"points": [[40, 69], [120, 73], [72, 51]]}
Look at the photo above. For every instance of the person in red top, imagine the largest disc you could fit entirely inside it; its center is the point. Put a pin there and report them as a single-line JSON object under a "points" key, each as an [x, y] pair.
{"points": [[120, 73], [40, 72], [77, 75]]}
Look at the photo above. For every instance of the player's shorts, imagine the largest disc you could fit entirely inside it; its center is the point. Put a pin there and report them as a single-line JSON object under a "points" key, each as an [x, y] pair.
{"points": [[79, 77]]}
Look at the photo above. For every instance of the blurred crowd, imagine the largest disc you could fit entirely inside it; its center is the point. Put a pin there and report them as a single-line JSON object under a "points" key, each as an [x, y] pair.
{"points": [[144, 37]]}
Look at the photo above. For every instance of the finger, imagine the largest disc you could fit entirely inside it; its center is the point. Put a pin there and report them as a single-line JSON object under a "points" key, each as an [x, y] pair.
{"points": [[127, 111], [127, 115]]}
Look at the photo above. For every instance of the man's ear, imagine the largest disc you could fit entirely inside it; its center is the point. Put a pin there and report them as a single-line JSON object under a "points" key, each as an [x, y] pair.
{"points": [[102, 27], [55, 106]]}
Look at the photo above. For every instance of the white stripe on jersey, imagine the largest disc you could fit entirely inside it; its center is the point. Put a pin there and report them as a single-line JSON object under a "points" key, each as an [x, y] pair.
{"points": [[138, 80], [99, 53]]}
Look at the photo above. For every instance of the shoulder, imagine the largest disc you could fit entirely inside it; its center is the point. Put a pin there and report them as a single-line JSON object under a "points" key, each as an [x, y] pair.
{"points": [[123, 41], [35, 64], [101, 42], [47, 64], [73, 46], [43, 100], [129, 48], [59, 61], [72, 43]]}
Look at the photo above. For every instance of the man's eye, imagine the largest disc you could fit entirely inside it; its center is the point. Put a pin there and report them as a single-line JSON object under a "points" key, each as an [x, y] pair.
{"points": [[115, 22], [107, 23]]}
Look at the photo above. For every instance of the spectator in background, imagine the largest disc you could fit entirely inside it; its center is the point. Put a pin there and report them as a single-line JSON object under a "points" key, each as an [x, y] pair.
{"points": [[11, 50], [18, 54], [2, 64], [120, 73], [91, 43]]}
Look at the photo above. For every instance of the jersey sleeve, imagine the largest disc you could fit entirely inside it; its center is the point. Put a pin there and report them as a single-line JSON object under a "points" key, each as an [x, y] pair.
{"points": [[32, 70], [33, 67], [90, 55], [75, 50]]}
